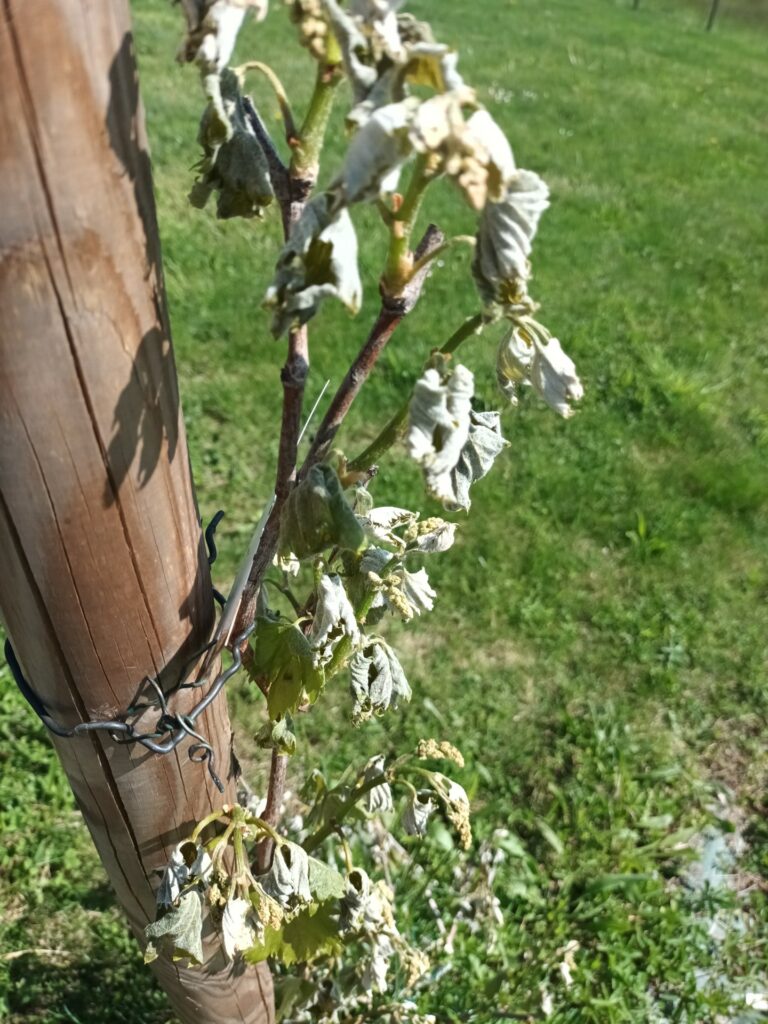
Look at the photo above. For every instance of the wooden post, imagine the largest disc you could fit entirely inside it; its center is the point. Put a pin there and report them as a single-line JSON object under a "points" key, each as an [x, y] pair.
{"points": [[103, 576]]}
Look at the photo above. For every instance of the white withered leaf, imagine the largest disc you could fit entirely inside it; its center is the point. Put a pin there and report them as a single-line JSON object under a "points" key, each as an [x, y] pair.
{"points": [[439, 425], [525, 357], [505, 233], [430, 536], [188, 863], [409, 593], [379, 799], [417, 812], [484, 443], [382, 522], [319, 260], [376, 154], [212, 28], [379, 20], [377, 680], [237, 931], [287, 881], [334, 619]]}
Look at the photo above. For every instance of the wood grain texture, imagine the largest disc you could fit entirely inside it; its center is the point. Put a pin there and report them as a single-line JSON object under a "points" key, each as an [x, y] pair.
{"points": [[103, 576]]}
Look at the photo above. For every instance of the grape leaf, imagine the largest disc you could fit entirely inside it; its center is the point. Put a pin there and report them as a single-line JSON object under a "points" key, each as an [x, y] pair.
{"points": [[181, 929], [325, 882], [283, 656]]}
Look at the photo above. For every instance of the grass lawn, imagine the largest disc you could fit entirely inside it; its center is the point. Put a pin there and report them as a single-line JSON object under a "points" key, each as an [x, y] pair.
{"points": [[598, 648]]}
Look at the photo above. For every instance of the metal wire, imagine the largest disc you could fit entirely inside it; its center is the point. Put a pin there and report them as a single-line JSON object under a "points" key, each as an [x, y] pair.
{"points": [[174, 726]]}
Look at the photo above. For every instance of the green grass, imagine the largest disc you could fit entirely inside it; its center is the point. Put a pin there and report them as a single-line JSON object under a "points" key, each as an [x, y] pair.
{"points": [[598, 647]]}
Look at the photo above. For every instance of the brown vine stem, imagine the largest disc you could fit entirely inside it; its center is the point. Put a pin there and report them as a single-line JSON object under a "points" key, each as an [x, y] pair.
{"points": [[271, 814], [393, 311], [396, 426]]}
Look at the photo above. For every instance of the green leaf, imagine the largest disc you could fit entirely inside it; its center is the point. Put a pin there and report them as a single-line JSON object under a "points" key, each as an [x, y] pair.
{"points": [[181, 929], [325, 882], [317, 516], [551, 836], [233, 164], [283, 656], [312, 933]]}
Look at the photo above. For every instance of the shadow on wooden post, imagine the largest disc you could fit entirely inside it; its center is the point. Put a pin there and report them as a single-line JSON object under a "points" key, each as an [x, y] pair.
{"points": [[103, 575]]}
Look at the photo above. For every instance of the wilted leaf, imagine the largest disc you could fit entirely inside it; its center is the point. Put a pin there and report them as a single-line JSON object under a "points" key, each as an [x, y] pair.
{"points": [[376, 154], [287, 881], [505, 233], [278, 736], [334, 618], [318, 261], [233, 164], [317, 516], [377, 680], [212, 28], [525, 357], [181, 929], [439, 426], [417, 812], [237, 931], [483, 444]]}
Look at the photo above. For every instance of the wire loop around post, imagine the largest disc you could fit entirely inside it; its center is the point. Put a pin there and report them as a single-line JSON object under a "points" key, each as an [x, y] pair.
{"points": [[171, 728]]}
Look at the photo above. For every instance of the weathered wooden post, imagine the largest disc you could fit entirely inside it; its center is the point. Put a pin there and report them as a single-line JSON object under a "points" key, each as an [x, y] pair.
{"points": [[103, 576]]}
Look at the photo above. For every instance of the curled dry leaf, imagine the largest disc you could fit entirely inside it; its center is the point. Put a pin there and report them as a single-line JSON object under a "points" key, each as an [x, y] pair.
{"points": [[233, 165], [525, 357], [334, 618], [377, 680], [318, 261], [500, 266]]}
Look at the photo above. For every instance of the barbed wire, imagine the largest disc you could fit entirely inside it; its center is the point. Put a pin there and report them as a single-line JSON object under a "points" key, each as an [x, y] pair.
{"points": [[172, 725]]}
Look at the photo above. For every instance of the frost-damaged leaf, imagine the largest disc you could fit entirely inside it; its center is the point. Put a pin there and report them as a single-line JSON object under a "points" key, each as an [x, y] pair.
{"points": [[233, 163], [237, 929], [500, 265], [287, 881], [431, 64], [439, 426], [430, 536], [381, 523], [379, 799], [409, 593], [318, 261], [379, 20], [212, 28], [282, 656], [417, 812], [334, 618], [474, 152], [317, 516], [181, 929], [525, 357], [377, 680], [376, 154], [188, 862], [477, 456]]}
